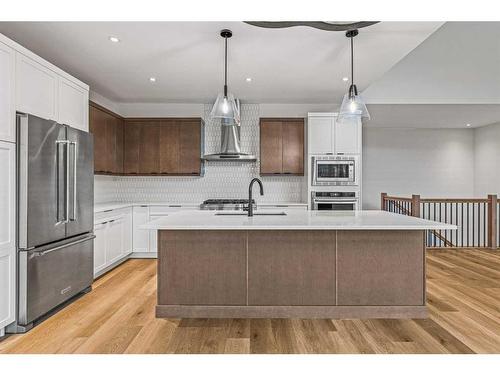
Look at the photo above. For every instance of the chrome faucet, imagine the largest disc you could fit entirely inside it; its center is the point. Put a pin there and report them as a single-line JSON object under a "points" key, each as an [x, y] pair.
{"points": [[250, 204]]}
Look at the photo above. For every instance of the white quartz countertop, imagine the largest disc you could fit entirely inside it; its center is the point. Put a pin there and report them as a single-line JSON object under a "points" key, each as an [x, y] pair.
{"points": [[100, 207], [294, 220]]}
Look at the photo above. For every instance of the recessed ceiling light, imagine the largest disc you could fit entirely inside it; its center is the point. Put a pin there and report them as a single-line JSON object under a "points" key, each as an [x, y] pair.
{"points": [[345, 79], [114, 39], [248, 79], [152, 79], [468, 125]]}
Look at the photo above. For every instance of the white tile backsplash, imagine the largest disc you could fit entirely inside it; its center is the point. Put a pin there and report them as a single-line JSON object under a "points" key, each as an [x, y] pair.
{"points": [[221, 180]]}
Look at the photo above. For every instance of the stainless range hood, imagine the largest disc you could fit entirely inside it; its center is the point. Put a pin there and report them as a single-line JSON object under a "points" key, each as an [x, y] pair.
{"points": [[230, 143]]}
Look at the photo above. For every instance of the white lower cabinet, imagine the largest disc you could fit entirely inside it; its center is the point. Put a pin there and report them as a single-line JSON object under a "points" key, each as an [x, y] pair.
{"points": [[99, 247], [7, 233], [140, 236], [113, 239], [7, 287], [145, 242]]}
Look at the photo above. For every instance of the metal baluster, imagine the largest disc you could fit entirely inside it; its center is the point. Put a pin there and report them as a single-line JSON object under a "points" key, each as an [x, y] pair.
{"points": [[484, 225], [468, 233], [473, 221], [462, 224]]}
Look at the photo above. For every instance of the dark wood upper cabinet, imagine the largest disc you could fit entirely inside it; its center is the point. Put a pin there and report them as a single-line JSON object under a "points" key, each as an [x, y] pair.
{"points": [[282, 146], [107, 129], [131, 135], [169, 147], [189, 147], [293, 147], [149, 148], [119, 136], [145, 146], [97, 126], [271, 147], [163, 146]]}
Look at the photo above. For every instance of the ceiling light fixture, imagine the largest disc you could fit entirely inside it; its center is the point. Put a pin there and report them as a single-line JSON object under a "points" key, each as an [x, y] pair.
{"points": [[468, 125], [152, 79], [345, 79], [352, 104], [225, 105], [248, 79], [114, 39]]}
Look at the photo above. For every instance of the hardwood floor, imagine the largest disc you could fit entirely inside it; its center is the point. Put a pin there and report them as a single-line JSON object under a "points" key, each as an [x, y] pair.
{"points": [[463, 295]]}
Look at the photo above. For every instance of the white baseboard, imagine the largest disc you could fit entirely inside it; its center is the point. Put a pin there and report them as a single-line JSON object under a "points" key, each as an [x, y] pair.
{"points": [[144, 255]]}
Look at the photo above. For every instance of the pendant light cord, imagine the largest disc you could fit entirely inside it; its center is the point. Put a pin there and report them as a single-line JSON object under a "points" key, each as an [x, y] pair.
{"points": [[225, 66], [352, 62]]}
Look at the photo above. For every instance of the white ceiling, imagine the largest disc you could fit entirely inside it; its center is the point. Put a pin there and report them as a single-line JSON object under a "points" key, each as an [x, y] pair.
{"points": [[294, 65], [432, 115], [460, 63]]}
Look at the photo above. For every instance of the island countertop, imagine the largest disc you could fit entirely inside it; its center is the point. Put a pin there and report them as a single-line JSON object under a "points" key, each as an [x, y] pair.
{"points": [[293, 220]]}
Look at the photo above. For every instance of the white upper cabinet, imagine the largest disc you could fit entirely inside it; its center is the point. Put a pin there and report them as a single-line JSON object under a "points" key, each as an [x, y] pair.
{"points": [[73, 105], [326, 135], [347, 136], [7, 104], [36, 88], [320, 134]]}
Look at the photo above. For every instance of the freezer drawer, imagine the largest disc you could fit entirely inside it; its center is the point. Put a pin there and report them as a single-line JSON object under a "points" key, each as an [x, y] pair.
{"points": [[50, 275]]}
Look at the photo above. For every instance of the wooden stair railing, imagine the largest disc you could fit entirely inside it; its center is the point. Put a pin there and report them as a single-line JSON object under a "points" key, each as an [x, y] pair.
{"points": [[476, 218]]}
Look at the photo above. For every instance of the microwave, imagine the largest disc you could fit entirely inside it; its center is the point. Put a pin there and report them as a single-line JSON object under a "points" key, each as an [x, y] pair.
{"points": [[334, 170]]}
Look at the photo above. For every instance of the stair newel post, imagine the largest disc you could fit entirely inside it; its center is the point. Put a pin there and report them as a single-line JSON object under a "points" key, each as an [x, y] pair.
{"points": [[492, 221], [382, 201], [415, 205]]}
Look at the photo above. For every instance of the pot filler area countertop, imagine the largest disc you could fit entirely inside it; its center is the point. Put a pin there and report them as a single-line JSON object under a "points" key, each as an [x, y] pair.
{"points": [[299, 220]]}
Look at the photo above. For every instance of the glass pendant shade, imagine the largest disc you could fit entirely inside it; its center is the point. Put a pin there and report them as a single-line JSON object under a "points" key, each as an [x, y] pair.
{"points": [[353, 106], [225, 108]]}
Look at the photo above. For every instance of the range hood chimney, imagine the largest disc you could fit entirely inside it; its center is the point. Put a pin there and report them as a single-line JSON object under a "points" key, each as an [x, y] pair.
{"points": [[230, 149]]}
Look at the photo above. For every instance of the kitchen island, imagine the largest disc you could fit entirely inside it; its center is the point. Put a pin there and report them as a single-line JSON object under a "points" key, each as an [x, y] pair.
{"points": [[305, 264]]}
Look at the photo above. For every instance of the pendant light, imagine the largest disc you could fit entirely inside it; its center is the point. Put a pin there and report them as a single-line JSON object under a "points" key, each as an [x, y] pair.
{"points": [[352, 104], [225, 105]]}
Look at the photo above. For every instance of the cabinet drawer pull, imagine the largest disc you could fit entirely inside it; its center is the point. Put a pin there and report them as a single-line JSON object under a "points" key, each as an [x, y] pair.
{"points": [[175, 205], [108, 210]]}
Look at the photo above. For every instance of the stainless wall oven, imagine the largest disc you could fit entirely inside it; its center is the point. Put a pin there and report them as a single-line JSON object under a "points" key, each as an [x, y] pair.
{"points": [[334, 170], [335, 201]]}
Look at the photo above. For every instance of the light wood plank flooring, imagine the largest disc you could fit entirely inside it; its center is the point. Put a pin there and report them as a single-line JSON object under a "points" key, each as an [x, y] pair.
{"points": [[118, 317]]}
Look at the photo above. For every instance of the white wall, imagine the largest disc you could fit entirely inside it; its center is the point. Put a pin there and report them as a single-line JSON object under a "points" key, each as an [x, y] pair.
{"points": [[487, 160], [429, 162]]}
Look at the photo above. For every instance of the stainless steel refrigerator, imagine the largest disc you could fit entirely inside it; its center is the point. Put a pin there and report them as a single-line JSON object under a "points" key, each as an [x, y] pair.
{"points": [[55, 213]]}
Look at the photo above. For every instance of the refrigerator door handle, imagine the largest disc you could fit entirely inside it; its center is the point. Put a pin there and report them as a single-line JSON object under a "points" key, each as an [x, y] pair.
{"points": [[65, 218], [75, 158], [42, 253]]}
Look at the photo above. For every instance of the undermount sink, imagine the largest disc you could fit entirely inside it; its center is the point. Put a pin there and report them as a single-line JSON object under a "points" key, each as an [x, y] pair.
{"points": [[222, 213]]}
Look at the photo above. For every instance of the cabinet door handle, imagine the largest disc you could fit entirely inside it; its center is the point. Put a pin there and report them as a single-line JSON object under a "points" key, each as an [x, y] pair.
{"points": [[108, 210]]}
